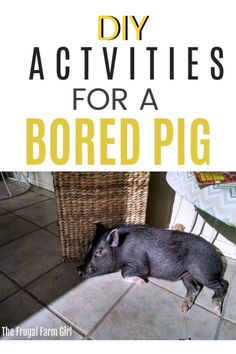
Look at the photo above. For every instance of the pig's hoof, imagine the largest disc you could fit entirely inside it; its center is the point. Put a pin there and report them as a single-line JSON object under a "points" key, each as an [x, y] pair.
{"points": [[184, 307], [178, 227], [217, 310], [135, 279]]}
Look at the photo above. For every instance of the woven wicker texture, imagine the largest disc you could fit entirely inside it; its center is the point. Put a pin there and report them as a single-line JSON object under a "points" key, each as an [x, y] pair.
{"points": [[87, 198]]}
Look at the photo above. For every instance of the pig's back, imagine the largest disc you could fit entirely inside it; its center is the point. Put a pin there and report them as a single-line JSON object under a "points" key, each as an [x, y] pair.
{"points": [[171, 254]]}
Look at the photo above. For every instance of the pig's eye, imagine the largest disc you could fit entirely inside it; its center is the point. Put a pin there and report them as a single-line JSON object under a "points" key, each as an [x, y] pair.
{"points": [[98, 252]]}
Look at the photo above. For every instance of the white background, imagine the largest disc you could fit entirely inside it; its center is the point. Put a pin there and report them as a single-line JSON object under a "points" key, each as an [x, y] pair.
{"points": [[181, 24]]}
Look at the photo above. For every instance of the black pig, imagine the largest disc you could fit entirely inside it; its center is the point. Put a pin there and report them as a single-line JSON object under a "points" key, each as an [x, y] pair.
{"points": [[141, 251]]}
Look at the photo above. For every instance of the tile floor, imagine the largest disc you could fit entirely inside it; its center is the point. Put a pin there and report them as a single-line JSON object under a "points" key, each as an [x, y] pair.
{"points": [[43, 298]]}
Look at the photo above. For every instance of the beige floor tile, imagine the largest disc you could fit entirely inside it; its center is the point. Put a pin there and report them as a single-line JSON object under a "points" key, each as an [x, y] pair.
{"points": [[230, 311], [53, 228], [228, 331], [13, 226], [30, 256], [27, 317], [7, 287], [42, 191], [41, 214], [21, 201], [83, 303], [148, 312], [2, 211]]}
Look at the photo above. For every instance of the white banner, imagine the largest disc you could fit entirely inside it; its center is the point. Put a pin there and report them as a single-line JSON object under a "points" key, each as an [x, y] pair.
{"points": [[126, 85]]}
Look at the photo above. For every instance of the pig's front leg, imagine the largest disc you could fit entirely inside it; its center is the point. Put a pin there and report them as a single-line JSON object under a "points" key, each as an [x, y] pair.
{"points": [[133, 275]]}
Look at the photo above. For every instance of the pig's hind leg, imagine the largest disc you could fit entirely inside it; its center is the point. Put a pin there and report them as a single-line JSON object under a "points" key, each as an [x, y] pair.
{"points": [[193, 289], [220, 288]]}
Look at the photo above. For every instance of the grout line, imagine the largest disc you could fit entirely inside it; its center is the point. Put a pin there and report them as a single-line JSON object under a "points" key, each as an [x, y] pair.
{"points": [[108, 312], [48, 307], [44, 227], [22, 287], [4, 212], [10, 278], [6, 297], [13, 212], [52, 233], [22, 217], [38, 227], [33, 223], [40, 276], [17, 238], [43, 195], [51, 223], [28, 205], [56, 313], [226, 300], [7, 211], [66, 320], [29, 233], [229, 320], [167, 289]]}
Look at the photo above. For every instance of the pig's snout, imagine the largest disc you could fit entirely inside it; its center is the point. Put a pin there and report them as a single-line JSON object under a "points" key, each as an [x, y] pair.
{"points": [[86, 271], [80, 271]]}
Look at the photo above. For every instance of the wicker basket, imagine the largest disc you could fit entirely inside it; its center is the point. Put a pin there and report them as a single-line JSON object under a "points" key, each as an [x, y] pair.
{"points": [[87, 198]]}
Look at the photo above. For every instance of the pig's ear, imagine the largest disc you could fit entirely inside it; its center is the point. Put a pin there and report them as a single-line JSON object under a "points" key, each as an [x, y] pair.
{"points": [[113, 238]]}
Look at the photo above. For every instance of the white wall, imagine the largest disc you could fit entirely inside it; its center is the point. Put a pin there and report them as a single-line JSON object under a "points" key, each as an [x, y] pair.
{"points": [[41, 179]]}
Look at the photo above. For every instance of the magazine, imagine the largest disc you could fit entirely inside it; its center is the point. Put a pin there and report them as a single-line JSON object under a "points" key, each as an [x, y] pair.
{"points": [[223, 179]]}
